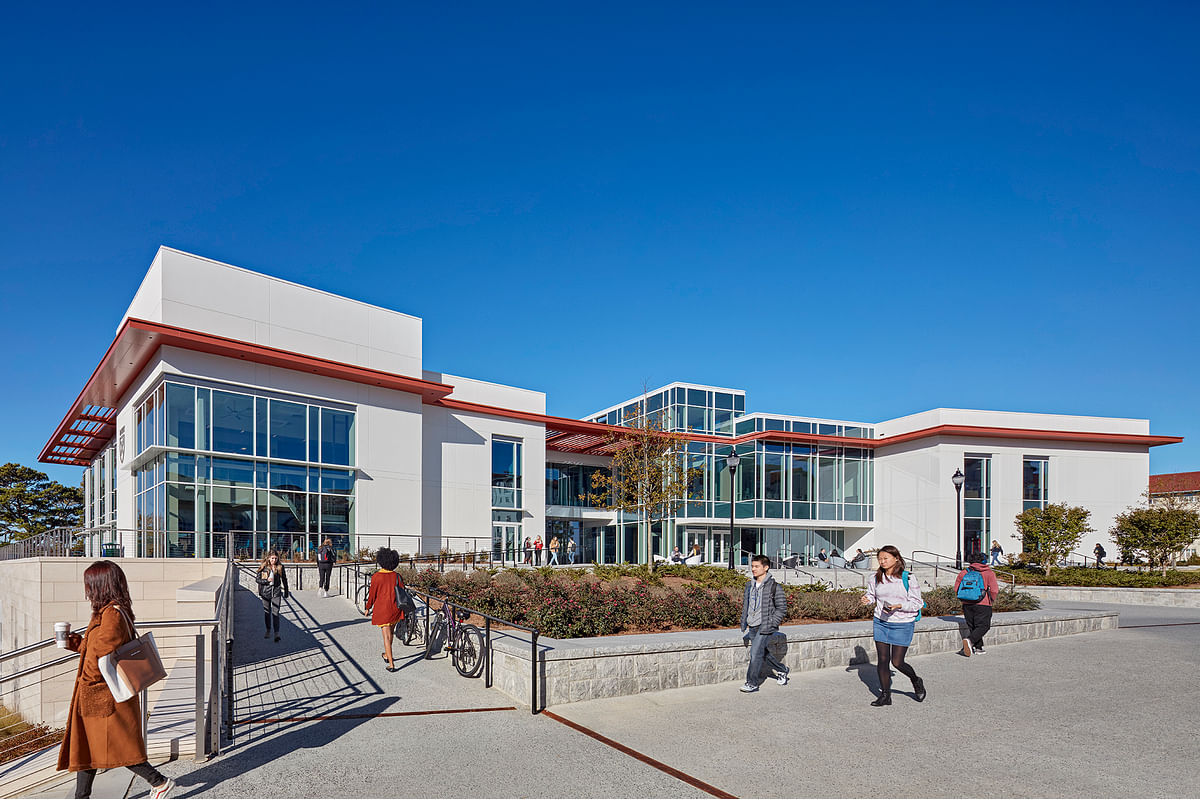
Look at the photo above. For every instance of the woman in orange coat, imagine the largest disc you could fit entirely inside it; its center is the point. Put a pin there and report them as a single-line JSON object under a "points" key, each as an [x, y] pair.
{"points": [[381, 599], [101, 732]]}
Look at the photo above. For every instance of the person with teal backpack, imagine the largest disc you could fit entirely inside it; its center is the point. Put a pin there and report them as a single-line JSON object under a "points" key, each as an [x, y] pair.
{"points": [[977, 588], [898, 604]]}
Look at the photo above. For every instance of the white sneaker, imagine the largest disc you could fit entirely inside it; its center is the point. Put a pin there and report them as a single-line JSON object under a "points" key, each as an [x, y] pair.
{"points": [[323, 592], [781, 677], [748, 688], [163, 791]]}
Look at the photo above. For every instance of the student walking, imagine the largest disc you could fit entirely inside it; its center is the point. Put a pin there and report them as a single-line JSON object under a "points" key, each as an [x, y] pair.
{"points": [[997, 551], [553, 552], [571, 550], [101, 732], [897, 604], [1100, 555], [764, 607], [537, 551], [381, 599], [528, 551], [977, 588], [272, 590], [325, 560]]}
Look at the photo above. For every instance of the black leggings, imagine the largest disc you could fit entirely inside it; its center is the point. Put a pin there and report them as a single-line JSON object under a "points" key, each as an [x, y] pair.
{"points": [[891, 655], [84, 779]]}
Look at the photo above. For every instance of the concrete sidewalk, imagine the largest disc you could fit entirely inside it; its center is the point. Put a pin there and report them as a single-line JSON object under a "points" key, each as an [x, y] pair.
{"points": [[1105, 714]]}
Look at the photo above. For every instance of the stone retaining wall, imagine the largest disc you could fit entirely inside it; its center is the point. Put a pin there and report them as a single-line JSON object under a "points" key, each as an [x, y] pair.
{"points": [[1164, 597], [593, 668]]}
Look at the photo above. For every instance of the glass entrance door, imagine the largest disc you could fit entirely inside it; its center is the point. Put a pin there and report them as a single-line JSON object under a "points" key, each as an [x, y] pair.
{"points": [[720, 547], [506, 542]]}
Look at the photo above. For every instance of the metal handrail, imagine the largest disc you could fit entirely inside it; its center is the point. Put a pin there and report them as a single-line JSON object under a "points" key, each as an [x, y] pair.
{"points": [[832, 569], [208, 710], [938, 567]]}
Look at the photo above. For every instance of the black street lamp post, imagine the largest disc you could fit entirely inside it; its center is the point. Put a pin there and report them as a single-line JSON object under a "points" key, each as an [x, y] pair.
{"points": [[958, 479], [732, 460]]}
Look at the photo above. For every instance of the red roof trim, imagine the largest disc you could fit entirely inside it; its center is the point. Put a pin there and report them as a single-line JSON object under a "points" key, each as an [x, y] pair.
{"points": [[89, 426], [1015, 432], [1174, 483]]}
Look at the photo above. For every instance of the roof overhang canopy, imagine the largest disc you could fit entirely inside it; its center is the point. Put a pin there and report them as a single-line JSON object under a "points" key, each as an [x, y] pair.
{"points": [[88, 427]]}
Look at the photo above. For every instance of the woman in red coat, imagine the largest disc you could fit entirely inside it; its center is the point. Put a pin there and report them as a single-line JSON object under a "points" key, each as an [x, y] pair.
{"points": [[101, 732], [381, 599]]}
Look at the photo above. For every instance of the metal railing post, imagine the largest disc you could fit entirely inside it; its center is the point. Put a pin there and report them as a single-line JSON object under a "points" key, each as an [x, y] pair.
{"points": [[533, 685], [199, 672], [487, 646], [214, 697], [145, 718]]}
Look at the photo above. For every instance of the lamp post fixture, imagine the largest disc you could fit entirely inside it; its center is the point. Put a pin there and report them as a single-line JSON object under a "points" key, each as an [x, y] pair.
{"points": [[958, 481], [731, 460]]}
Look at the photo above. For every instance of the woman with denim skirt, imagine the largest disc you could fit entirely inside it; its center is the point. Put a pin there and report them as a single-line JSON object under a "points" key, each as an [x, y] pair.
{"points": [[897, 602]]}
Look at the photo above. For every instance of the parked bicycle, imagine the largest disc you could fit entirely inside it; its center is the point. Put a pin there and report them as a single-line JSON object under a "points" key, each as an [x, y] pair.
{"points": [[411, 630], [464, 642]]}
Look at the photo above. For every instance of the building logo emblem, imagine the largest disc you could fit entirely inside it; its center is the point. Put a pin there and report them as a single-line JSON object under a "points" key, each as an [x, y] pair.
{"points": [[121, 446]]}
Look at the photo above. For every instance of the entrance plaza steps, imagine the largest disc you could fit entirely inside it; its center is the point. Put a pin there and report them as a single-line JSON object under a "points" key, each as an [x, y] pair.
{"points": [[171, 736]]}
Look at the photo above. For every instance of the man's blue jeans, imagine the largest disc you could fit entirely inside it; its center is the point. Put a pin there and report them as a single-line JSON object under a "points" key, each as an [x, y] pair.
{"points": [[759, 654]]}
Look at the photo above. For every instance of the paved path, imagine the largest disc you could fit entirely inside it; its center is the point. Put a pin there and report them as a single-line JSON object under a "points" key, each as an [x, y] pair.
{"points": [[1107, 714]]}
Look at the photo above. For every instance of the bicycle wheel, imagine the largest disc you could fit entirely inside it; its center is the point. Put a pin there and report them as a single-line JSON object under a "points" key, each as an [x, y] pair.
{"points": [[470, 650], [437, 634], [414, 631]]}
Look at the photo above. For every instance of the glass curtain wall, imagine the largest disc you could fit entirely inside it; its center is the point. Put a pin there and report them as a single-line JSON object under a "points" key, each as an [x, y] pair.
{"points": [[274, 473], [783, 481]]}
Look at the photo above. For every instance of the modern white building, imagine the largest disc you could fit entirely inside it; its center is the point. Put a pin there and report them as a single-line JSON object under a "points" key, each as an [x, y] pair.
{"points": [[237, 409]]}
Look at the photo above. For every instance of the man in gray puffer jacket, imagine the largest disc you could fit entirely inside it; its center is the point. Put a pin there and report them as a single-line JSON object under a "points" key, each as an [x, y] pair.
{"points": [[763, 609]]}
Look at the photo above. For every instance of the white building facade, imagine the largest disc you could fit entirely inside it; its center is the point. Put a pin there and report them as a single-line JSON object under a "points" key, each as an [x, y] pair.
{"points": [[238, 410]]}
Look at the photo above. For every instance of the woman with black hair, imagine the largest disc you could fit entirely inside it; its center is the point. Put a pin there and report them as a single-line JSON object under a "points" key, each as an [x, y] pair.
{"points": [[381, 599], [897, 602]]}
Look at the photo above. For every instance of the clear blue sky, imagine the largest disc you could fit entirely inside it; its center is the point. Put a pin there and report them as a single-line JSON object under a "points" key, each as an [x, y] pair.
{"points": [[857, 214]]}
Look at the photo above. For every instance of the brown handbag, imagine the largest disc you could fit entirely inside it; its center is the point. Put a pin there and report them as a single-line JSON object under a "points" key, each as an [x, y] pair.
{"points": [[132, 667]]}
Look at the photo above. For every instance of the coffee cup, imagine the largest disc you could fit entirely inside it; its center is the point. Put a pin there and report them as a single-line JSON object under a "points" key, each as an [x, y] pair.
{"points": [[62, 630]]}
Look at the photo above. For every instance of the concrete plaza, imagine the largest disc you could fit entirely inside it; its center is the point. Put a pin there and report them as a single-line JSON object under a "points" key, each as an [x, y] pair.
{"points": [[1105, 714]]}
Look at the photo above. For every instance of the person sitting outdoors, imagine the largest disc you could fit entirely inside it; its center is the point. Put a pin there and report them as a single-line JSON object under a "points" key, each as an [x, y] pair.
{"points": [[859, 560], [676, 555]]}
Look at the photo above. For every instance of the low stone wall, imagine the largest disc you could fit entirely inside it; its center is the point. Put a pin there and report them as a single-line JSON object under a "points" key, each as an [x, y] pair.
{"points": [[1164, 597], [593, 668]]}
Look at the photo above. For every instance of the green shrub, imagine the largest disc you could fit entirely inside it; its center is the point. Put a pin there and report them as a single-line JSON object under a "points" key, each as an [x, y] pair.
{"points": [[941, 602], [1009, 601], [1108, 577], [828, 606]]}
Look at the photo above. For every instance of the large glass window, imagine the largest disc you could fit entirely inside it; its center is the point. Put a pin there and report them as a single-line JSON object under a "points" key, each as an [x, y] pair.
{"points": [[506, 474], [1035, 477], [977, 503], [289, 430], [337, 437], [232, 423], [181, 416]]}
